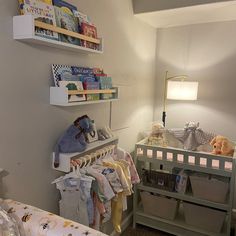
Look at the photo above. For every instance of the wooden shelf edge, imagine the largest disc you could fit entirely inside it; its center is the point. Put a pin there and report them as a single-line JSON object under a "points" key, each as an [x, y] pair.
{"points": [[59, 96], [24, 31], [107, 91], [65, 32]]}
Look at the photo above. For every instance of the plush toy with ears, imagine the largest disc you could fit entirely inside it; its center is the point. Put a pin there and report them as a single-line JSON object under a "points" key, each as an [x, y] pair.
{"points": [[157, 136], [222, 146], [74, 138]]}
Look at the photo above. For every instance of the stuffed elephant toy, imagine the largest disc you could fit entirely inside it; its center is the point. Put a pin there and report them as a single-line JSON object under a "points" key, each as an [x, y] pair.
{"points": [[74, 138]]}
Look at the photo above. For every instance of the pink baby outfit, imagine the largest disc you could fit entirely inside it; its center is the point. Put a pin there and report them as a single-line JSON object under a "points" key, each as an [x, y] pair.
{"points": [[123, 155]]}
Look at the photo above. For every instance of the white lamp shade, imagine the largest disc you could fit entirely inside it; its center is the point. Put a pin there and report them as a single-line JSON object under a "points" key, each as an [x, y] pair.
{"points": [[182, 90]]}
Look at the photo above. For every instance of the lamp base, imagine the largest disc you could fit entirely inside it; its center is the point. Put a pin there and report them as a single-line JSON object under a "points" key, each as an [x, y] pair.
{"points": [[164, 118]]}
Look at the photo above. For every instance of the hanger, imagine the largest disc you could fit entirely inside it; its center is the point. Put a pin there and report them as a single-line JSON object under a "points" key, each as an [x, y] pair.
{"points": [[108, 157], [90, 160]]}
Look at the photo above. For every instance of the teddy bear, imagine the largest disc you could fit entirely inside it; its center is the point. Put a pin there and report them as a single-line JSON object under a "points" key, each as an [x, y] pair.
{"points": [[157, 136], [222, 146]]}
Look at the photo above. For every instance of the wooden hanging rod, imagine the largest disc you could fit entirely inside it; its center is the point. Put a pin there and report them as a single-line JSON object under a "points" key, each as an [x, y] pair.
{"points": [[92, 156], [66, 32], [76, 92]]}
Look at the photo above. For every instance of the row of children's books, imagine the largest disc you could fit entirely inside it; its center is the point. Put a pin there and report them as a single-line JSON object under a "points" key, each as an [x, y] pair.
{"points": [[82, 78], [61, 14]]}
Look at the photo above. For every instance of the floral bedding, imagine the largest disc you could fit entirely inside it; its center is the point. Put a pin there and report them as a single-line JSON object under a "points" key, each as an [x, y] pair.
{"points": [[33, 221]]}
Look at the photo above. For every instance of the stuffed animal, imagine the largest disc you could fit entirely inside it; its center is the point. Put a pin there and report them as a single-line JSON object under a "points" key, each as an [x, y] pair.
{"points": [[157, 136], [192, 136], [222, 146], [74, 138]]}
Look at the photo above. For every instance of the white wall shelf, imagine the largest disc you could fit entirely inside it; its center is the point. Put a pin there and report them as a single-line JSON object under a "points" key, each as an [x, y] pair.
{"points": [[59, 96], [65, 158], [24, 30]]}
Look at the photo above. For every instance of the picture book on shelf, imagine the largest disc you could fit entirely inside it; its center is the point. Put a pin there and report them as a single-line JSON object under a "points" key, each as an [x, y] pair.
{"points": [[105, 83], [21, 2], [92, 86], [81, 17], [90, 31], [42, 12], [85, 74], [63, 73], [73, 85], [69, 22], [77, 70], [65, 6]]}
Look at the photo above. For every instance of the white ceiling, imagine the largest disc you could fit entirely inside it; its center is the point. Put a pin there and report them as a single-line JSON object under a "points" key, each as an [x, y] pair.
{"points": [[214, 12]]}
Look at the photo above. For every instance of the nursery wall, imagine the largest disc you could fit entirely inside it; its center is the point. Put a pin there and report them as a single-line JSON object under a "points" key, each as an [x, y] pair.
{"points": [[207, 53], [141, 6], [30, 126]]}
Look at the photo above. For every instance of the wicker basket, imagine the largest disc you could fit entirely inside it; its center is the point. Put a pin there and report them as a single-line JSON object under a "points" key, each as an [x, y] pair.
{"points": [[157, 179], [159, 205]]}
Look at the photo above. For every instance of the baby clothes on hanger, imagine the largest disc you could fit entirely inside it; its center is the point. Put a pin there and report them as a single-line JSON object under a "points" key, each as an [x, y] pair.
{"points": [[85, 185], [119, 203], [123, 155], [114, 181], [98, 191], [111, 176], [104, 186], [73, 203]]}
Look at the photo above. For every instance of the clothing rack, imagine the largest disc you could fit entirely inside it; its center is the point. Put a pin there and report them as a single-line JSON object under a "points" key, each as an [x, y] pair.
{"points": [[65, 158], [90, 158]]}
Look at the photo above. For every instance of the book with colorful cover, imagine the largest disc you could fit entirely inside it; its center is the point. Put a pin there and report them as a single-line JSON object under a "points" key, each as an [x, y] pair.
{"points": [[105, 83], [65, 6], [85, 73], [90, 31], [63, 73], [78, 70], [73, 85], [69, 22], [81, 18], [22, 2], [42, 12], [92, 86]]}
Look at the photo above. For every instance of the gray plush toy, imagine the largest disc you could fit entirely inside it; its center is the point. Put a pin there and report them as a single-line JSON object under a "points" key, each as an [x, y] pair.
{"points": [[191, 136], [74, 138]]}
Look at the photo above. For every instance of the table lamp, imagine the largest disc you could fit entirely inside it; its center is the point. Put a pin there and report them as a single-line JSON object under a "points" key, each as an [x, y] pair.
{"points": [[177, 88]]}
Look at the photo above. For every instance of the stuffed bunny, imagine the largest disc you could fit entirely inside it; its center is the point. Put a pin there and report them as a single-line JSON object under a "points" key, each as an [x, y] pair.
{"points": [[73, 140]]}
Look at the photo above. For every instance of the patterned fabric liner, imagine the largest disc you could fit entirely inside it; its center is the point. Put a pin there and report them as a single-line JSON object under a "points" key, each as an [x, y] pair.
{"points": [[33, 221]]}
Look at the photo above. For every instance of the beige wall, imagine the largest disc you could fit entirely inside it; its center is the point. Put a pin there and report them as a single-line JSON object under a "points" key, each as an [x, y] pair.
{"points": [[141, 6], [29, 126], [207, 53]]}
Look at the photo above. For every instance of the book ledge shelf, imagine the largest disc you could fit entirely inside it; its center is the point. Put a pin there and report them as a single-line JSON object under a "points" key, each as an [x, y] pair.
{"points": [[65, 158], [59, 96], [24, 30]]}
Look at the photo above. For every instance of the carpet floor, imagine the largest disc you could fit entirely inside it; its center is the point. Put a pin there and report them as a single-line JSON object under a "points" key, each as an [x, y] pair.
{"points": [[143, 231]]}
